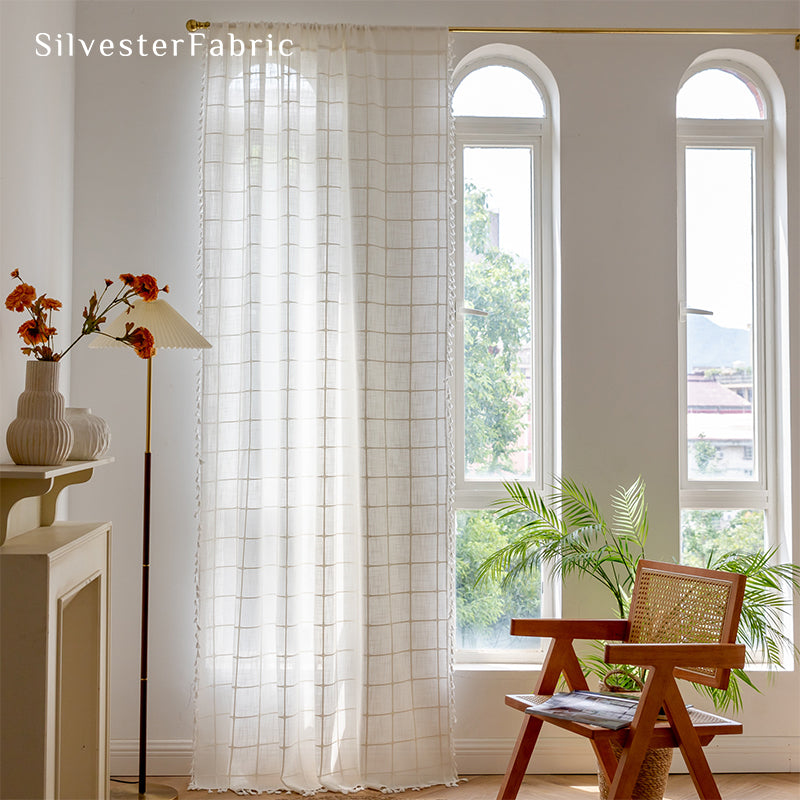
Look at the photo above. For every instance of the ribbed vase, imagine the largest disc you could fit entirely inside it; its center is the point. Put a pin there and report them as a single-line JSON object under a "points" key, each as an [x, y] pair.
{"points": [[92, 436], [40, 434]]}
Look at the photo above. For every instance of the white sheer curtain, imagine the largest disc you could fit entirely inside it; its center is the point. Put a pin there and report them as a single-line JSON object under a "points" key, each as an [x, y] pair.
{"points": [[324, 580]]}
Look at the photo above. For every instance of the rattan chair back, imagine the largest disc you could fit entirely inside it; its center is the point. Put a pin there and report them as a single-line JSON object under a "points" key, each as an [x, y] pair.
{"points": [[672, 603]]}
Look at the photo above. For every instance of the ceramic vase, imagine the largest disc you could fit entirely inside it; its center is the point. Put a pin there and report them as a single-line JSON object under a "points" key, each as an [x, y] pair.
{"points": [[40, 434], [91, 433]]}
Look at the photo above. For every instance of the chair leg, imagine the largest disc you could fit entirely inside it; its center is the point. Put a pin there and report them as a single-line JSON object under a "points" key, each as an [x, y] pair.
{"points": [[702, 777], [606, 759], [690, 745], [638, 740], [523, 750]]}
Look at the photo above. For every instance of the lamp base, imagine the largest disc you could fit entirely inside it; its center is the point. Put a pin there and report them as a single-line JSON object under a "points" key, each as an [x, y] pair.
{"points": [[153, 791]]}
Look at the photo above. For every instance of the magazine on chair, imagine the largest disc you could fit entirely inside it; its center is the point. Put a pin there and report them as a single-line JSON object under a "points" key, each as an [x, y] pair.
{"points": [[612, 711]]}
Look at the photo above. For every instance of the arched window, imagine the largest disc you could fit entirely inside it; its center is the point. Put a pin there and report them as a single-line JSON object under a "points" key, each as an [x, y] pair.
{"points": [[730, 325], [497, 90], [505, 344], [720, 93]]}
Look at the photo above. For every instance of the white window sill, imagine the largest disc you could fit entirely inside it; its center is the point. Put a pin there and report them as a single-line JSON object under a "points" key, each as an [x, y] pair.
{"points": [[504, 666]]}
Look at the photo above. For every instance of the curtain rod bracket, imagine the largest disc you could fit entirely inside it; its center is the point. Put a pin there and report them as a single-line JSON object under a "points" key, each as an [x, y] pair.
{"points": [[797, 42], [193, 25]]}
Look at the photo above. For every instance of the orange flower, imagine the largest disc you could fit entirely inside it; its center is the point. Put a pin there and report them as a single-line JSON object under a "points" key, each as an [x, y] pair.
{"points": [[37, 333], [21, 297], [142, 342], [34, 332], [49, 302], [146, 287]]}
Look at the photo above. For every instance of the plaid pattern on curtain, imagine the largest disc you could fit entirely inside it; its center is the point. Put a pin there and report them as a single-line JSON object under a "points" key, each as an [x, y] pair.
{"points": [[325, 593]]}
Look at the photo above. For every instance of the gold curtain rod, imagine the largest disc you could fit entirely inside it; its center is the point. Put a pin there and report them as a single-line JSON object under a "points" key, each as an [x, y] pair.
{"points": [[193, 25], [649, 31]]}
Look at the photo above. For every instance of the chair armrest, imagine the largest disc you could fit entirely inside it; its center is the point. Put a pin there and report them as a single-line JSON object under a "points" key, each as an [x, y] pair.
{"points": [[571, 628], [676, 655]]}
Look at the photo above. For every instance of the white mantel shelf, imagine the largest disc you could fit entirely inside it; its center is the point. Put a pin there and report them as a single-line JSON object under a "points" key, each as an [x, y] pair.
{"points": [[22, 484], [9, 470]]}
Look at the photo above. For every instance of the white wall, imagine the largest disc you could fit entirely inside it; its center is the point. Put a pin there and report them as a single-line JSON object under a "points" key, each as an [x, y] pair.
{"points": [[136, 209], [36, 147]]}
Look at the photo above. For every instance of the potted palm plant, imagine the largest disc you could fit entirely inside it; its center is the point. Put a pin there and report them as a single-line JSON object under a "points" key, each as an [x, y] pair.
{"points": [[567, 531]]}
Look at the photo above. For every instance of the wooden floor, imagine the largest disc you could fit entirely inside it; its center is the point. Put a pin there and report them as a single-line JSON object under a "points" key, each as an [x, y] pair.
{"points": [[773, 786]]}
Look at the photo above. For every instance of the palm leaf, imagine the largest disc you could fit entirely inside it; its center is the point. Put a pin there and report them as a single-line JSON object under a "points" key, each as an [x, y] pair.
{"points": [[630, 512], [576, 504]]}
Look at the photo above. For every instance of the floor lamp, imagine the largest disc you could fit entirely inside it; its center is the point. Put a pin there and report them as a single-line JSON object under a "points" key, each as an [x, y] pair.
{"points": [[170, 331]]}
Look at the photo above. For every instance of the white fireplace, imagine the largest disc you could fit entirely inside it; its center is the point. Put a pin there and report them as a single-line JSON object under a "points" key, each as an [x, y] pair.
{"points": [[54, 595]]}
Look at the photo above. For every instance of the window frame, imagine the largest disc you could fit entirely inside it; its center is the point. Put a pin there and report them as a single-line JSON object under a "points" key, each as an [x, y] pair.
{"points": [[755, 135], [536, 134]]}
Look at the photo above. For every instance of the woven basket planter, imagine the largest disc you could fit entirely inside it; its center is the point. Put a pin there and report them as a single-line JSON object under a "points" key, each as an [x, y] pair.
{"points": [[652, 781]]}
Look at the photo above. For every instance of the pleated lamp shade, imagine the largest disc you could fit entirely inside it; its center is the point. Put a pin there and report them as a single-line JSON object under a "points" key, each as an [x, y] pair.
{"points": [[170, 330]]}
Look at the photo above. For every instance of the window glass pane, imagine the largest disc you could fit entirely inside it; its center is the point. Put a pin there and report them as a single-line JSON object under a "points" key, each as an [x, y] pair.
{"points": [[721, 406], [497, 320], [719, 94], [716, 531], [483, 613], [497, 91]]}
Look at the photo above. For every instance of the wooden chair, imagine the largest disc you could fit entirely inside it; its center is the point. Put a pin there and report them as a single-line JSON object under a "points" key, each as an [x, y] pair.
{"points": [[682, 624]]}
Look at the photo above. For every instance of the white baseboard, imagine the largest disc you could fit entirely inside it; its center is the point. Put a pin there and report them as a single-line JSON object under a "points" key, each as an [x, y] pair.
{"points": [[557, 756], [164, 757], [574, 756]]}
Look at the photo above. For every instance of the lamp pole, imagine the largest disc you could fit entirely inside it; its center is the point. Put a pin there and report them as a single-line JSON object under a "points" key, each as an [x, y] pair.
{"points": [[145, 588], [145, 791], [170, 331]]}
